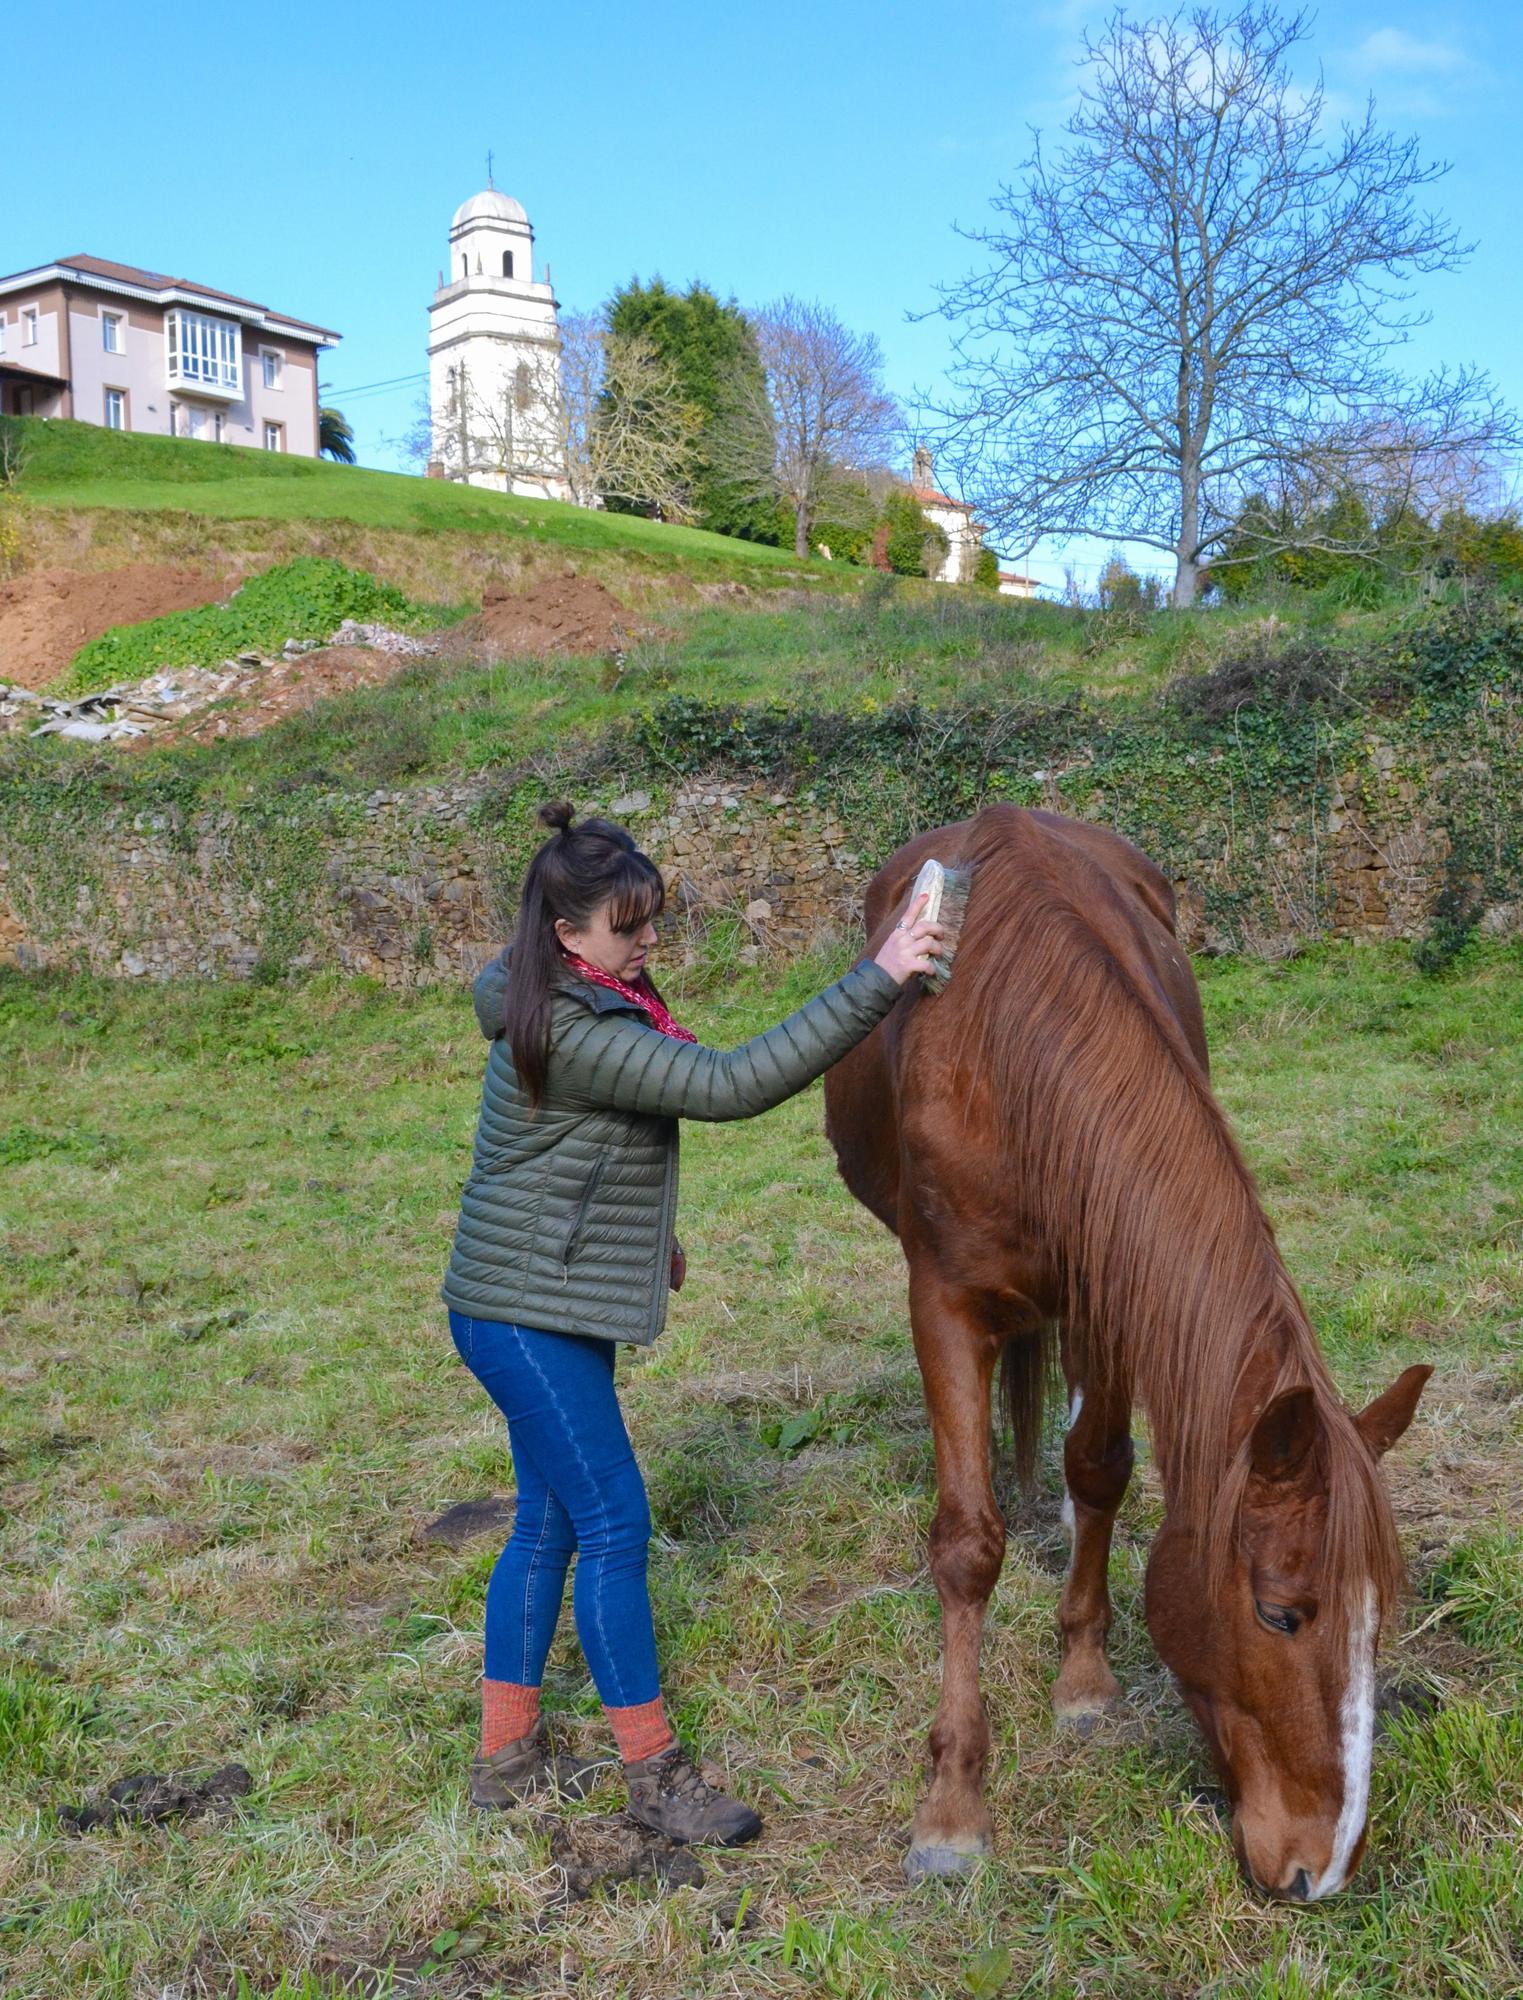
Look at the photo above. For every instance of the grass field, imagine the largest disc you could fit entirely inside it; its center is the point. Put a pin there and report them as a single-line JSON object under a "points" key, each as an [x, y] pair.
{"points": [[231, 1403], [81, 466]]}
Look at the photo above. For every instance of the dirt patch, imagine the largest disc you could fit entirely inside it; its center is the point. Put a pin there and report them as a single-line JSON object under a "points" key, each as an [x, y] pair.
{"points": [[48, 614], [143, 1798], [565, 614], [599, 1849], [263, 695], [467, 1519]]}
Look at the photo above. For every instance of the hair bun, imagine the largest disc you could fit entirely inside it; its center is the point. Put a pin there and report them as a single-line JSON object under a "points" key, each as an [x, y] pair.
{"points": [[558, 814]]}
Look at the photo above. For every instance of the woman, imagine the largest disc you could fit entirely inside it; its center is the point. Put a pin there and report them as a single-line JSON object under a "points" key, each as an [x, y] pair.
{"points": [[565, 1247]]}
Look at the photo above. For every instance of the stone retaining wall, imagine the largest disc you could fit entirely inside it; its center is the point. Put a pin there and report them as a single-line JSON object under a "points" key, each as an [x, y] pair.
{"points": [[408, 886]]}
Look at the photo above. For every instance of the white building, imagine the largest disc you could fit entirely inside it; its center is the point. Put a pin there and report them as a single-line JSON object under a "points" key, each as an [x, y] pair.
{"points": [[1013, 584], [494, 357], [965, 536]]}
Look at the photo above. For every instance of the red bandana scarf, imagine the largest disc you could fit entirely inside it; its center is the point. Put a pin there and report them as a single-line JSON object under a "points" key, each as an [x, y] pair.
{"points": [[643, 995]]}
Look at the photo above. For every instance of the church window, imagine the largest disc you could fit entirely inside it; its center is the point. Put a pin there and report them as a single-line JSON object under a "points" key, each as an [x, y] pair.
{"points": [[507, 263], [465, 265], [521, 386]]}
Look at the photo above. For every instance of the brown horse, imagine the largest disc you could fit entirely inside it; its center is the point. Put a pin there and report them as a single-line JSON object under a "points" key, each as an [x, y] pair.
{"points": [[1043, 1140]]}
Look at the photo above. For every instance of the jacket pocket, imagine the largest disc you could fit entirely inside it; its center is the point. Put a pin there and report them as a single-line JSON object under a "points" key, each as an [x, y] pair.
{"points": [[573, 1235]]}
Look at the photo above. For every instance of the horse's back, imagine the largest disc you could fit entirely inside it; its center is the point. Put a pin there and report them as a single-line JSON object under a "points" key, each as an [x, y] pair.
{"points": [[1078, 889]]}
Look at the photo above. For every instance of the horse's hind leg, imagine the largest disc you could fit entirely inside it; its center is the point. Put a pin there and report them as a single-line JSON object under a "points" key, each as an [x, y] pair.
{"points": [[957, 1352], [1097, 1463]]}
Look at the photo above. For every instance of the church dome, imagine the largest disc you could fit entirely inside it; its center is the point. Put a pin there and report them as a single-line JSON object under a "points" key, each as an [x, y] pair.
{"points": [[489, 206]]}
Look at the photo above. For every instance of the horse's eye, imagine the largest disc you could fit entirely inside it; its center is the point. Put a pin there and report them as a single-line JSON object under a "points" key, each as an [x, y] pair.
{"points": [[1279, 1617]]}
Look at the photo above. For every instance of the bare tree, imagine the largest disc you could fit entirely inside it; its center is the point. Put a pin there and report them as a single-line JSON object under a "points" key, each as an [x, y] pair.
{"points": [[601, 411], [1199, 297], [825, 414], [626, 429]]}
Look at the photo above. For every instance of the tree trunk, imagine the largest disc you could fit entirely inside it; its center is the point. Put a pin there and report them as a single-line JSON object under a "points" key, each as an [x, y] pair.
{"points": [[1187, 548], [801, 532]]}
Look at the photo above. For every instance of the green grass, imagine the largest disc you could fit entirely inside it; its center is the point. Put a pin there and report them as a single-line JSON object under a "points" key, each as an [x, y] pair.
{"points": [[74, 465], [230, 1401]]}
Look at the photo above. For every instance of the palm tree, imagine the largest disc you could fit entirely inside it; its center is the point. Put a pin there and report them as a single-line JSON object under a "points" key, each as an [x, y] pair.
{"points": [[335, 437]]}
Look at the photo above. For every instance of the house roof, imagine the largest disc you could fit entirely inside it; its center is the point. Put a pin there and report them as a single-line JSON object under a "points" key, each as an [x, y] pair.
{"points": [[162, 288], [1014, 576], [929, 497]]}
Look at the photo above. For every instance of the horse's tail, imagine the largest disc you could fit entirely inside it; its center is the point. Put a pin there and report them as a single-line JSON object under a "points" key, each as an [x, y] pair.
{"points": [[1026, 1372]]}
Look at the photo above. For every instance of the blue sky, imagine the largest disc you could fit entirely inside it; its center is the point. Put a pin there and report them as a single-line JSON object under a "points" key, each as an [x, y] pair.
{"points": [[311, 158]]}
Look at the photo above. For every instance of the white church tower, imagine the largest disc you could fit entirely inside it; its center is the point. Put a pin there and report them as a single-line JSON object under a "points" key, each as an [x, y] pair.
{"points": [[494, 357]]}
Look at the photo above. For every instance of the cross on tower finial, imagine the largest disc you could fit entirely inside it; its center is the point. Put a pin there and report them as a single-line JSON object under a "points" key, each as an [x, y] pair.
{"points": [[490, 182]]}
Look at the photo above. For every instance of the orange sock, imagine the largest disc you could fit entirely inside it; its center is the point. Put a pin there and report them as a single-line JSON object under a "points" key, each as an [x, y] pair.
{"points": [[508, 1712], [642, 1731]]}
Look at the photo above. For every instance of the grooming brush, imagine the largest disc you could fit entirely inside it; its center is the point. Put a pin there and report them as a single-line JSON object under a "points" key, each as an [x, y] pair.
{"points": [[947, 890]]}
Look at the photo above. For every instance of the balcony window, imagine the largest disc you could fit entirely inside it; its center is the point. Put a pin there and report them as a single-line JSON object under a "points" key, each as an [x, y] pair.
{"points": [[203, 352]]}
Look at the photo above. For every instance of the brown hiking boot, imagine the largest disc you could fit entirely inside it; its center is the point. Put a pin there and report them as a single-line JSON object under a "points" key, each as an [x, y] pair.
{"points": [[669, 1794], [510, 1775]]}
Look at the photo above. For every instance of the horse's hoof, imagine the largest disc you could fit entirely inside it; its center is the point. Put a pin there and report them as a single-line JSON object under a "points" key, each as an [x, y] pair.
{"points": [[1084, 1721], [942, 1858]]}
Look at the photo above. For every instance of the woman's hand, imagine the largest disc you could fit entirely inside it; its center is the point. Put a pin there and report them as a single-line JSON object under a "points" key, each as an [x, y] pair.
{"points": [[679, 1265], [912, 945]]}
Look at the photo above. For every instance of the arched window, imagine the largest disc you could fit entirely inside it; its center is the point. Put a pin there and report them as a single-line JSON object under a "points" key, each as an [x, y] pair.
{"points": [[507, 263], [465, 265]]}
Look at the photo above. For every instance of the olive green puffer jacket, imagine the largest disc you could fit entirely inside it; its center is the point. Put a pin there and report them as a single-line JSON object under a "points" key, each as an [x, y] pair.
{"points": [[567, 1217]]}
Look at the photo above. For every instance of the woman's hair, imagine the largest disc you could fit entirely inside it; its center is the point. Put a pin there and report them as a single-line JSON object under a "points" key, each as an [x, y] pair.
{"points": [[575, 873]]}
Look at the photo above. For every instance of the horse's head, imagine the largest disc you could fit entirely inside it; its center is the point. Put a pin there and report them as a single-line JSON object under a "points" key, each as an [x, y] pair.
{"points": [[1274, 1649]]}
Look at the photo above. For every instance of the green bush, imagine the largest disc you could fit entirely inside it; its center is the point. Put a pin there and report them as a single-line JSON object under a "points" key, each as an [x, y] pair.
{"points": [[308, 598], [986, 570]]}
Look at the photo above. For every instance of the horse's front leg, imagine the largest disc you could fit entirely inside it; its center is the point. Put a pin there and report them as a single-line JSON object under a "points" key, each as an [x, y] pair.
{"points": [[1097, 1463], [957, 1352]]}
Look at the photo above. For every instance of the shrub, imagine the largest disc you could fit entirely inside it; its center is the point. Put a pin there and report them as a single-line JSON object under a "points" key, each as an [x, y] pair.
{"points": [[308, 598]]}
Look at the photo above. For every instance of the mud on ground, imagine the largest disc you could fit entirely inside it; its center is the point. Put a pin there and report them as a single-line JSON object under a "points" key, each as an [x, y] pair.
{"points": [[46, 615]]}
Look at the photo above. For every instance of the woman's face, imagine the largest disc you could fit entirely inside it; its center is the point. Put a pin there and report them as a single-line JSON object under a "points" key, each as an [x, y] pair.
{"points": [[622, 953]]}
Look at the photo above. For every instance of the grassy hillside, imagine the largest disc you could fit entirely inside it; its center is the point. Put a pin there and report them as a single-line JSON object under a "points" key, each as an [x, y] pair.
{"points": [[74, 465], [231, 1403]]}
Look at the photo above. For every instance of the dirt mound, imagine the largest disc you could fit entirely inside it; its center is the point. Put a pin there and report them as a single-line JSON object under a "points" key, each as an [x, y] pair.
{"points": [[567, 614], [266, 694], [48, 614]]}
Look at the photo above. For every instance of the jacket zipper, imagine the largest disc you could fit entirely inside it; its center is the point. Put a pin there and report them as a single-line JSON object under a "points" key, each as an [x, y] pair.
{"points": [[580, 1217]]}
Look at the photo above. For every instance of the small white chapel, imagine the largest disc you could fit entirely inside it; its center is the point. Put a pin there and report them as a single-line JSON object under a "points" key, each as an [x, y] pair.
{"points": [[494, 357]]}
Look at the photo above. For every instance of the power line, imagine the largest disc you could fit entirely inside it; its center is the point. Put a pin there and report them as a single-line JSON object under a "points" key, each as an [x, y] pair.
{"points": [[369, 388]]}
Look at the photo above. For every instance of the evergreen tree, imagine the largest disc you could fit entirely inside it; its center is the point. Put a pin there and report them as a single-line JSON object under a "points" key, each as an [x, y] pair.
{"points": [[712, 351]]}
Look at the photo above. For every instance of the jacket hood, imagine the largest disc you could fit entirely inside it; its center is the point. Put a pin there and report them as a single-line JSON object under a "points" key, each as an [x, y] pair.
{"points": [[490, 993]]}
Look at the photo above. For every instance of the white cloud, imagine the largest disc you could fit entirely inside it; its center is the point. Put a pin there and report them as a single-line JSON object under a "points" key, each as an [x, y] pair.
{"points": [[1394, 51]]}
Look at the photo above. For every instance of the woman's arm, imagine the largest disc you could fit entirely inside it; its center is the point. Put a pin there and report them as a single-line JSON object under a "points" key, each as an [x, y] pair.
{"points": [[611, 1059]]}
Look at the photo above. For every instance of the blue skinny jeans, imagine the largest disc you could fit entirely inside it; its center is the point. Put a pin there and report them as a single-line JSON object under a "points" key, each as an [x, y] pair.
{"points": [[579, 1491]]}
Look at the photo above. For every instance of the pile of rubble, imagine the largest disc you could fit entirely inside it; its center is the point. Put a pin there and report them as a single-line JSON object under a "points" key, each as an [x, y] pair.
{"points": [[137, 708]]}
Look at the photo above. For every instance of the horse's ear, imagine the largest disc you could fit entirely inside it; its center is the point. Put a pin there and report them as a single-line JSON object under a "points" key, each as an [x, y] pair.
{"points": [[1382, 1422], [1284, 1436]]}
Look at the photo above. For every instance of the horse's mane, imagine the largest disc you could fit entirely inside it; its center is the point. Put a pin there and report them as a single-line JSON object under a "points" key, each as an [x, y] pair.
{"points": [[1173, 1278]]}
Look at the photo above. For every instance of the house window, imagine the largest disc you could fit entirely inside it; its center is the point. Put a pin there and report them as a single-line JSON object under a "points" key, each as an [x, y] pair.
{"points": [[29, 326], [116, 410], [2, 333], [23, 402], [111, 332], [202, 350], [273, 363], [219, 426], [195, 421], [274, 437], [507, 263]]}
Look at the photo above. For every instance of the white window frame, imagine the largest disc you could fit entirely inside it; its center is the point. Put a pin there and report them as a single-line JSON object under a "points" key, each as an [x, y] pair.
{"points": [[29, 326], [267, 356], [275, 432], [119, 397], [195, 420], [203, 351], [111, 336]]}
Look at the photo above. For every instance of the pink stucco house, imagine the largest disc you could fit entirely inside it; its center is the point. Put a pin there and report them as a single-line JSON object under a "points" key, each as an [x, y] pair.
{"points": [[136, 351]]}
